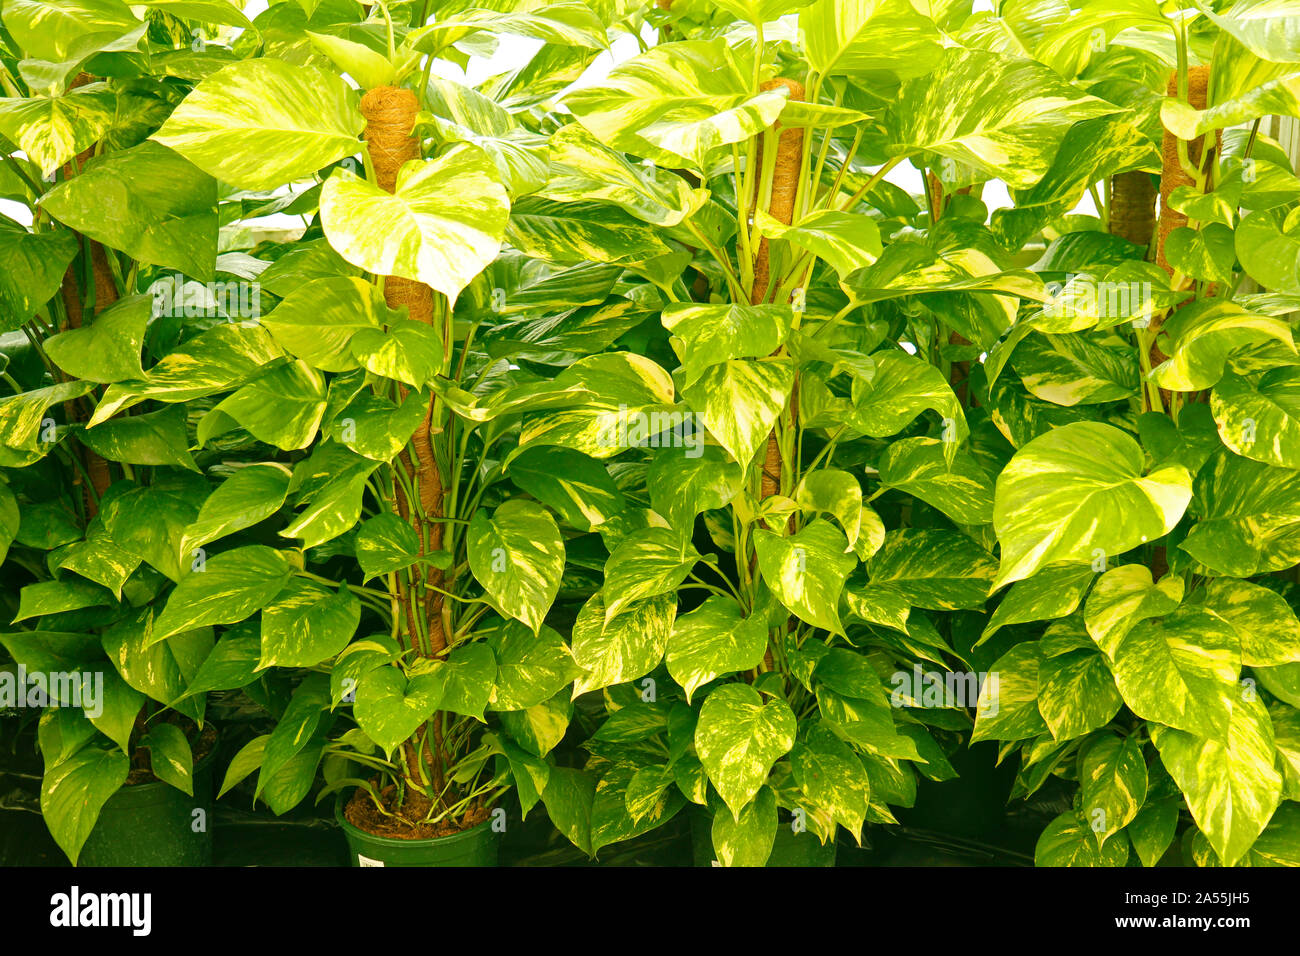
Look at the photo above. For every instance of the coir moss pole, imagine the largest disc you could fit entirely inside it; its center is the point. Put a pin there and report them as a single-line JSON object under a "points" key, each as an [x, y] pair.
{"points": [[390, 118], [1131, 213], [936, 199], [81, 288], [785, 189], [665, 31], [1173, 175], [785, 185], [390, 114], [780, 205]]}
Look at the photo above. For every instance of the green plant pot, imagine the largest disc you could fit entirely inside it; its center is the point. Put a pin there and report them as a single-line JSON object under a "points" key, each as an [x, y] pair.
{"points": [[478, 846], [789, 848], [154, 824]]}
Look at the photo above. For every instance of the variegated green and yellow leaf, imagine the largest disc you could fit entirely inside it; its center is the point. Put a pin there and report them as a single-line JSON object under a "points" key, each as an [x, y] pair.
{"points": [[1230, 780], [1078, 492], [443, 224], [1004, 117], [262, 123], [712, 641], [739, 737], [517, 554]]}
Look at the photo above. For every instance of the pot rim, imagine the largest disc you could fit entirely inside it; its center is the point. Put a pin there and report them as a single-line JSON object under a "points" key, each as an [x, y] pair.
{"points": [[452, 838]]}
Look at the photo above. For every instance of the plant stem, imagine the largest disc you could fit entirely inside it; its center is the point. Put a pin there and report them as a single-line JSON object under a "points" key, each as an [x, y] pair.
{"points": [[876, 177]]}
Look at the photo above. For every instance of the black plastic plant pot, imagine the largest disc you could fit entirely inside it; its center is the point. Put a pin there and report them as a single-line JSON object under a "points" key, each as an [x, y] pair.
{"points": [[788, 849], [155, 824], [477, 846]]}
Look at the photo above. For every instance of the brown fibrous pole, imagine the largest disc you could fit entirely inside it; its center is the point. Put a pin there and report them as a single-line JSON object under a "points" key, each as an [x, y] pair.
{"points": [[666, 34], [1132, 211], [390, 114], [1172, 176], [73, 296], [959, 373], [785, 190], [390, 118]]}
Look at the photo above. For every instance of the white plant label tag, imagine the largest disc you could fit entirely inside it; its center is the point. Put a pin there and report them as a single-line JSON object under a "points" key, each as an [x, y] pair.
{"points": [[366, 861]]}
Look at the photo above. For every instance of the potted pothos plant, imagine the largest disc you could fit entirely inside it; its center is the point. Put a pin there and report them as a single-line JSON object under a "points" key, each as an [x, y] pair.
{"points": [[760, 618], [659, 401], [212, 377], [1149, 630], [123, 730], [407, 591], [769, 693]]}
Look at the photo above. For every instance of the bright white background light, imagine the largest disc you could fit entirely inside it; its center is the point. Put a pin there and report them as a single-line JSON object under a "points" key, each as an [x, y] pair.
{"points": [[514, 50]]}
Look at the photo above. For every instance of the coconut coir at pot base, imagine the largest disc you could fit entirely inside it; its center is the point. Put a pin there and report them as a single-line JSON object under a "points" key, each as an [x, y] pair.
{"points": [[361, 812]]}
